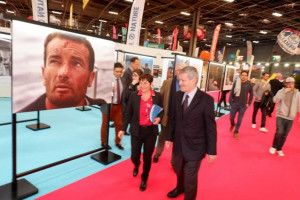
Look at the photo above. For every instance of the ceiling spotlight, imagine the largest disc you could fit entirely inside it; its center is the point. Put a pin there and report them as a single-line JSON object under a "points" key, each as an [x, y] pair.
{"points": [[258, 63], [243, 14], [276, 14], [297, 65], [224, 63], [56, 12], [267, 64], [229, 44], [102, 20], [208, 45], [229, 36], [266, 21], [263, 32], [142, 28], [158, 22], [113, 12], [2, 2], [276, 64], [210, 21], [185, 13], [286, 64], [229, 1], [185, 41], [255, 41], [228, 24], [129, 0]]}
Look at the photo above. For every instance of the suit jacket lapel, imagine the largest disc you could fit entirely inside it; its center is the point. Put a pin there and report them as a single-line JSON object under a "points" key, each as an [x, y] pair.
{"points": [[179, 102]]}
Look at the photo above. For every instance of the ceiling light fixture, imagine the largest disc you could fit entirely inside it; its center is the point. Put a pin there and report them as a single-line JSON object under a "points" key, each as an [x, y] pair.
{"points": [[129, 0], [277, 14], [266, 21], [2, 2], [185, 41], [228, 24], [10, 11], [229, 36], [229, 1], [243, 14], [286, 64], [89, 30], [228, 44], [210, 21], [158, 22], [263, 32], [276, 64], [142, 28], [102, 20], [297, 65], [56, 12], [267, 64], [255, 41], [185, 13], [113, 12]]}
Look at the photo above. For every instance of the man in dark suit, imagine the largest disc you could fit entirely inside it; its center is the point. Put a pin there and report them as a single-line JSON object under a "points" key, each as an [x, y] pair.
{"points": [[193, 133], [127, 76]]}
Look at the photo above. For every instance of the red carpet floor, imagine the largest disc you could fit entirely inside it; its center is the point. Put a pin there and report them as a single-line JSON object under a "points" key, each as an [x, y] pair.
{"points": [[244, 170]]}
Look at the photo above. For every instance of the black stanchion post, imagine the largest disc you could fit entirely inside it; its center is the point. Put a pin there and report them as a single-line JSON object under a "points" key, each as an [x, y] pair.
{"points": [[38, 126], [106, 157], [83, 108], [18, 189]]}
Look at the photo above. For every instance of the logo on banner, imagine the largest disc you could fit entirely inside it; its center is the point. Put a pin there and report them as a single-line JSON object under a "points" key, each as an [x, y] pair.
{"points": [[289, 41], [131, 36]]}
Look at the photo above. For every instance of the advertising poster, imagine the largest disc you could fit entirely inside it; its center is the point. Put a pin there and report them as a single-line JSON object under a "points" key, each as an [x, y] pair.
{"points": [[189, 61], [5, 55], [146, 63], [55, 69], [229, 77], [215, 75]]}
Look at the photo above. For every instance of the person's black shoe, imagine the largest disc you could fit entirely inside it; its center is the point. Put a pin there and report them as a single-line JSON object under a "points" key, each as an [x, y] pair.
{"points": [[126, 133], [135, 172], [155, 159], [103, 145], [120, 146], [143, 185], [174, 193]]}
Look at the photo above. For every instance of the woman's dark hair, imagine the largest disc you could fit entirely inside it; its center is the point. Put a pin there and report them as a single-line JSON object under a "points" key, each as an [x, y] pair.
{"points": [[139, 72], [147, 77]]}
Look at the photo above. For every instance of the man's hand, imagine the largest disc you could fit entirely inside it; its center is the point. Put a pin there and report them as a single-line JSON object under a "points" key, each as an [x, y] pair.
{"points": [[167, 143], [286, 90], [120, 134], [211, 158], [156, 120]]}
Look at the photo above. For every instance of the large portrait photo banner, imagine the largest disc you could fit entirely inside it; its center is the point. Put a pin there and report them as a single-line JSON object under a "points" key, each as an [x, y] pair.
{"points": [[53, 68], [193, 62], [215, 75], [229, 77], [146, 62]]}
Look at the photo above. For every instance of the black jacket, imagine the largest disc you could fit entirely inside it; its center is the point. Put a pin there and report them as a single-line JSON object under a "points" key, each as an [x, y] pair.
{"points": [[132, 114]]}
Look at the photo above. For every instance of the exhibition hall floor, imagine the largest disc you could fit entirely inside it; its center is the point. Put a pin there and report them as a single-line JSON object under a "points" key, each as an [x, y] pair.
{"points": [[244, 169]]}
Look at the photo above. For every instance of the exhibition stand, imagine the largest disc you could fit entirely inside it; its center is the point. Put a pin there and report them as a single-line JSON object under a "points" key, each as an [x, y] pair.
{"points": [[38, 126]]}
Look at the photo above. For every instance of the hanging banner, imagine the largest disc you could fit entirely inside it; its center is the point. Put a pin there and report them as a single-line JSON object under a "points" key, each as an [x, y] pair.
{"points": [[221, 54], [158, 36], [114, 33], [214, 42], [200, 33], [249, 51], [40, 10], [71, 15], [135, 22], [124, 31], [85, 2], [100, 29], [237, 55], [186, 33], [289, 41], [174, 39]]}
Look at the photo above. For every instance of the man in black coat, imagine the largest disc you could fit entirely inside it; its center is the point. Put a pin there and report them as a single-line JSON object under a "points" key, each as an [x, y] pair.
{"points": [[276, 84], [127, 76], [193, 133]]}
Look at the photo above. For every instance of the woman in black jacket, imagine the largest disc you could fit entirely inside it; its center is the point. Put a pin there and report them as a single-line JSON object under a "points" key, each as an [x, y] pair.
{"points": [[143, 131]]}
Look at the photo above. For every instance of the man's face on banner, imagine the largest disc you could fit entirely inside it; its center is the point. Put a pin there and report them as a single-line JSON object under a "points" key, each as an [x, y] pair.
{"points": [[66, 74]]}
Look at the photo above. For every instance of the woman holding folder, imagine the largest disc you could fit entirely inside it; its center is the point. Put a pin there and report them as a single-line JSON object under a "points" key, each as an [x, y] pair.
{"points": [[143, 131]]}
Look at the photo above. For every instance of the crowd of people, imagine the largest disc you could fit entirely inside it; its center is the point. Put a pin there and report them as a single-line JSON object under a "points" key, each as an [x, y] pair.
{"points": [[188, 118]]}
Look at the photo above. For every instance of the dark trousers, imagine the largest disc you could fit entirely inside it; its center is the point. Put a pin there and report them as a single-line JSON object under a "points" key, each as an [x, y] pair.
{"points": [[147, 139], [223, 98], [263, 114], [271, 109], [187, 175], [161, 142], [234, 109], [283, 127]]}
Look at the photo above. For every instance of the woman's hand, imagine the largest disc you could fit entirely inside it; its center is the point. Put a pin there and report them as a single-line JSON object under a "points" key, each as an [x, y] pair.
{"points": [[156, 120], [120, 134]]}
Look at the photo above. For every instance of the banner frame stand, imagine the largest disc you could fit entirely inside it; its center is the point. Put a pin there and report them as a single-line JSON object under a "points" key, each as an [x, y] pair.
{"points": [[17, 189], [106, 157], [38, 126], [83, 108]]}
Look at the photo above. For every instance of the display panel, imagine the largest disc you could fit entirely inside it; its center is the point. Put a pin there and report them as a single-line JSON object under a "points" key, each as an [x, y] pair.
{"points": [[215, 75], [189, 61], [66, 74], [146, 63], [229, 77]]}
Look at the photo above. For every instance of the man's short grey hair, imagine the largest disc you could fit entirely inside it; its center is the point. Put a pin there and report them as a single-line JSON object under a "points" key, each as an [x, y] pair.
{"points": [[190, 71]]}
